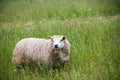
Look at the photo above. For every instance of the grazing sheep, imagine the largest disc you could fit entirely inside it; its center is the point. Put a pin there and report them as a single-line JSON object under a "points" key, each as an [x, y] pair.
{"points": [[46, 52]]}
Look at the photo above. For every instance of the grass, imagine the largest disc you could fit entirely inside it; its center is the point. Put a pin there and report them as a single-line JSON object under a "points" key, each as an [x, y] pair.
{"points": [[94, 34]]}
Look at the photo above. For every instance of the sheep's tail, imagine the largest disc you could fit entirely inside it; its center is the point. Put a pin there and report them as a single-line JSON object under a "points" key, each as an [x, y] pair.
{"points": [[17, 59]]}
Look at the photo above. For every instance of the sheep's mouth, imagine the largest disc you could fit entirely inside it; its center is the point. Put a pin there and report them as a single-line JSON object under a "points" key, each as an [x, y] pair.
{"points": [[56, 48]]}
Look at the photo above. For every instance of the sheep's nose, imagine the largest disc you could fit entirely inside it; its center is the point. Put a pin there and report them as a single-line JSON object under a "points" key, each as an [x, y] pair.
{"points": [[56, 46]]}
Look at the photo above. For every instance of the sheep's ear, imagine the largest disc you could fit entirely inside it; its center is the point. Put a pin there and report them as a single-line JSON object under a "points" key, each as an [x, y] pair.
{"points": [[63, 38], [50, 37]]}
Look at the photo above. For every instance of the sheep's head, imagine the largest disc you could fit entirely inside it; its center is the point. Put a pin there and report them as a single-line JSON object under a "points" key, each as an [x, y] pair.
{"points": [[58, 41], [60, 50]]}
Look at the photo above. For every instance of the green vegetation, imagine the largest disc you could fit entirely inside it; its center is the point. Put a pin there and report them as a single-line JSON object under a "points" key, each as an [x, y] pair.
{"points": [[91, 26]]}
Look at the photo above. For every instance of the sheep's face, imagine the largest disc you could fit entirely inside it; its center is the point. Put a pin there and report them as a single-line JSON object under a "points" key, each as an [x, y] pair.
{"points": [[58, 42]]}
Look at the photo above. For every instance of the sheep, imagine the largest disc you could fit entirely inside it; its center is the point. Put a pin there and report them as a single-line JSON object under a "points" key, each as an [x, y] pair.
{"points": [[43, 52]]}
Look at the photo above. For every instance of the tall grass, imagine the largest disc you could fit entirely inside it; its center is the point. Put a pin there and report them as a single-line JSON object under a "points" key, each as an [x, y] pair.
{"points": [[94, 34]]}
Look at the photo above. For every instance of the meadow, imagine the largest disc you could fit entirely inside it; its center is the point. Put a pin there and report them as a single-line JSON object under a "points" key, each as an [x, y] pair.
{"points": [[91, 26]]}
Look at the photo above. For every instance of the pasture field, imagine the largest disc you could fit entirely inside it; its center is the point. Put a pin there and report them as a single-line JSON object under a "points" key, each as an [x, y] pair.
{"points": [[91, 26]]}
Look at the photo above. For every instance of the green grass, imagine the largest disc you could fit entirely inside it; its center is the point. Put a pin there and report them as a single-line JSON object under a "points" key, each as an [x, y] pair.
{"points": [[92, 27]]}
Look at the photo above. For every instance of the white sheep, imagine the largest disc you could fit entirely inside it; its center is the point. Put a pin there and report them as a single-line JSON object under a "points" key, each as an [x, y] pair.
{"points": [[47, 52]]}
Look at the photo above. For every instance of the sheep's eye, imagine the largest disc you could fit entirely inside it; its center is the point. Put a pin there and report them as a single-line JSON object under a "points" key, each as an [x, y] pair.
{"points": [[61, 40]]}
